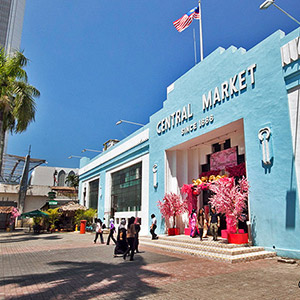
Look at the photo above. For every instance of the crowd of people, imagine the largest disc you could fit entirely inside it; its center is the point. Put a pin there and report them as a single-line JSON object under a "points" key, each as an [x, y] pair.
{"points": [[199, 223], [127, 242]]}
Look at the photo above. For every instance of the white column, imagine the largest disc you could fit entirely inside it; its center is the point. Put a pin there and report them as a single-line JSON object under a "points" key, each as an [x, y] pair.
{"points": [[294, 108], [171, 172], [182, 168], [193, 162]]}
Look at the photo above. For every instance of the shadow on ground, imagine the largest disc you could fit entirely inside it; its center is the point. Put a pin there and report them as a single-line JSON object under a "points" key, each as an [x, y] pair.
{"points": [[17, 238], [86, 280]]}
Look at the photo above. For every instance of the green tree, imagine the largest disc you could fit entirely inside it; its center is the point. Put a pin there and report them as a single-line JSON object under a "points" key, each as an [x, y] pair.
{"points": [[72, 180], [17, 104], [54, 215], [87, 215]]}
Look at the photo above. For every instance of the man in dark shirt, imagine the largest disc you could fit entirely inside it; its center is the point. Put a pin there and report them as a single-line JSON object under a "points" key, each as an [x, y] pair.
{"points": [[214, 223]]}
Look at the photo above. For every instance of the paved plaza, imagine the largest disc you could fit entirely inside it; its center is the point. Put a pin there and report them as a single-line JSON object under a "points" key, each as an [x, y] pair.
{"points": [[70, 266]]}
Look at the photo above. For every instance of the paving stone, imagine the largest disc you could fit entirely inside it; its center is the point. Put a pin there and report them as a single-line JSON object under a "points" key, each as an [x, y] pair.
{"points": [[70, 266]]}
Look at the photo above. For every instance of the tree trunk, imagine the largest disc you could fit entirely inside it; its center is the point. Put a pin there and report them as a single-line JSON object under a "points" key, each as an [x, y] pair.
{"points": [[174, 218], [2, 141]]}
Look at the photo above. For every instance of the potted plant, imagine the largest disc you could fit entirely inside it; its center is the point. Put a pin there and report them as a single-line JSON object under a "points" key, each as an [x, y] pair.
{"points": [[37, 224], [13, 215], [54, 215], [230, 198], [172, 205]]}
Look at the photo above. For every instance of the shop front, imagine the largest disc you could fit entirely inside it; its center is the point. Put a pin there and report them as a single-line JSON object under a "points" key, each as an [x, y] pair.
{"points": [[236, 114]]}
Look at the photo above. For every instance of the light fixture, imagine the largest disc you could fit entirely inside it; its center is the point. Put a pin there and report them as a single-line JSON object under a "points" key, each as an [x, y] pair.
{"points": [[268, 3], [74, 156], [129, 122], [84, 150]]}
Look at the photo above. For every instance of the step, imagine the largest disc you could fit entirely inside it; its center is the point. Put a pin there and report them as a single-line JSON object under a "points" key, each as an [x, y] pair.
{"points": [[222, 243], [207, 246], [228, 252]]}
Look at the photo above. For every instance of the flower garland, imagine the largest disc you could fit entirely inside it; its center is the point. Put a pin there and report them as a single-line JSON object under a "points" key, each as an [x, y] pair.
{"points": [[237, 171], [209, 173]]}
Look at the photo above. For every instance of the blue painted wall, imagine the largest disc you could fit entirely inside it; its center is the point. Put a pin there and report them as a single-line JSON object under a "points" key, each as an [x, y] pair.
{"points": [[274, 201], [100, 170]]}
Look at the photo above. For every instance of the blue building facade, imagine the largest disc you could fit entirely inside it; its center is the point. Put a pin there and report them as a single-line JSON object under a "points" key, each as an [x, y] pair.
{"points": [[238, 99]]}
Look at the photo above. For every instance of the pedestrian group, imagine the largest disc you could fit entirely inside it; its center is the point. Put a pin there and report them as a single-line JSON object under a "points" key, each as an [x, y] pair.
{"points": [[199, 223], [127, 242]]}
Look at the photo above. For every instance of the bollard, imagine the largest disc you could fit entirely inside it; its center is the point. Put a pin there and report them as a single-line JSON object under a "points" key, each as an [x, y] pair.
{"points": [[82, 226]]}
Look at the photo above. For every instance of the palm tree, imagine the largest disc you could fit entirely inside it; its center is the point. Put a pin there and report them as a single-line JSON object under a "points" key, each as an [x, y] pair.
{"points": [[73, 180], [17, 104]]}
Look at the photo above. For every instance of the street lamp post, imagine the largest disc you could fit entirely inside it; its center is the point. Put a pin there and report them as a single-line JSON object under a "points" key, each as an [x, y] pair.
{"points": [[129, 122], [268, 3], [91, 150], [74, 156]]}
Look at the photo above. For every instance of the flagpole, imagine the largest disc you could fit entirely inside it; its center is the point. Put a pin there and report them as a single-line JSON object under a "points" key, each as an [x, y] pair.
{"points": [[200, 30], [195, 51]]}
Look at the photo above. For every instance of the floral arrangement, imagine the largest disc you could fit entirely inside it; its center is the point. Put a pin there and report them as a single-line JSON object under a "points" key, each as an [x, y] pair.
{"points": [[193, 190], [230, 199], [13, 215], [209, 173], [172, 205], [206, 181], [190, 192], [237, 171]]}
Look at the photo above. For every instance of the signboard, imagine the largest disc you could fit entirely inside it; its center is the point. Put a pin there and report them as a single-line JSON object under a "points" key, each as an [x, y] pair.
{"points": [[222, 159], [51, 195], [52, 202]]}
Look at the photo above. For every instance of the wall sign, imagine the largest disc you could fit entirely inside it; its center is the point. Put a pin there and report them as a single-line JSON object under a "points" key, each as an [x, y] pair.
{"points": [[228, 88], [219, 94]]}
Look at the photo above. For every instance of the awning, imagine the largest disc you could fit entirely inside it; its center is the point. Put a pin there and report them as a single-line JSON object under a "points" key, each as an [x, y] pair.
{"points": [[6, 209], [13, 166], [72, 206], [34, 213]]}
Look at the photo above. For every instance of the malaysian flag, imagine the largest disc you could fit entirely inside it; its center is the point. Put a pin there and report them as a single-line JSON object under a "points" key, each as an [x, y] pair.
{"points": [[185, 21]]}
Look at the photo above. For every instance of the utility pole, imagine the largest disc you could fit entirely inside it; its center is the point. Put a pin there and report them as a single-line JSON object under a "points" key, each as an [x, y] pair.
{"points": [[24, 182]]}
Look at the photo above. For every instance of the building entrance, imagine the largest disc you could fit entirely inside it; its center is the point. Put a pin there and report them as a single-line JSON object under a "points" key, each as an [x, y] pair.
{"points": [[218, 152]]}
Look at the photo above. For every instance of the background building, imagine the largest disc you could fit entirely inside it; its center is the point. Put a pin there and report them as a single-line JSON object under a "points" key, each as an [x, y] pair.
{"points": [[42, 181], [11, 24]]}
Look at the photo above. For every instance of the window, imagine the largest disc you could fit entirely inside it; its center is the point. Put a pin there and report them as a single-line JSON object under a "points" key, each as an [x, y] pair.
{"points": [[61, 178], [93, 195], [221, 146], [126, 189]]}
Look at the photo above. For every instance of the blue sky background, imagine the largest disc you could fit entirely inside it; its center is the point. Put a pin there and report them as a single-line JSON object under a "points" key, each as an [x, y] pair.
{"points": [[98, 61]]}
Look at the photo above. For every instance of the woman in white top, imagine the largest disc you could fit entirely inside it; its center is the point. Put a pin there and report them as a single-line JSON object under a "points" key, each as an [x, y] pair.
{"points": [[98, 231]]}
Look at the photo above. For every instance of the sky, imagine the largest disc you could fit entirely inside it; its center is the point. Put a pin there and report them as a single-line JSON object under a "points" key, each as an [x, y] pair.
{"points": [[98, 61]]}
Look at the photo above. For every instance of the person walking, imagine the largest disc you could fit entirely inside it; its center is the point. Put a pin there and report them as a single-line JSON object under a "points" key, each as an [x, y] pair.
{"points": [[214, 223], [201, 221], [153, 227], [130, 238], [122, 244], [193, 223], [112, 230], [98, 231], [137, 224]]}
